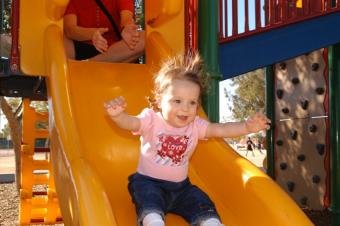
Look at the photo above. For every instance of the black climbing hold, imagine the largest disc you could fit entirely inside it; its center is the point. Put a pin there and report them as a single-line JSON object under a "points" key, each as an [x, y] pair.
{"points": [[301, 157], [320, 148], [293, 134], [303, 200], [304, 104], [279, 93], [290, 186], [295, 81], [279, 142], [282, 65], [319, 90], [313, 128], [283, 165], [316, 179], [285, 110], [315, 66]]}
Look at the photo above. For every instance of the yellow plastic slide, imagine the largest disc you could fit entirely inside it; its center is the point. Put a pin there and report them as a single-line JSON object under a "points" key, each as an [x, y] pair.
{"points": [[92, 182], [92, 158]]}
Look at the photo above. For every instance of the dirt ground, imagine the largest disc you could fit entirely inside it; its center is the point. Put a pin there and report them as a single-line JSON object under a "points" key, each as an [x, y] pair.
{"points": [[9, 205]]}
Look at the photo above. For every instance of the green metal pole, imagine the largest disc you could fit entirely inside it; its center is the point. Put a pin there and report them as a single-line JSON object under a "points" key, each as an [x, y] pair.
{"points": [[208, 47], [334, 117], [270, 111]]}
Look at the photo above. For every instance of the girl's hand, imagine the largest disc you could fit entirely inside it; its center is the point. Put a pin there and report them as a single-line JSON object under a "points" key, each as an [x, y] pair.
{"points": [[115, 107], [99, 42], [131, 35], [258, 122]]}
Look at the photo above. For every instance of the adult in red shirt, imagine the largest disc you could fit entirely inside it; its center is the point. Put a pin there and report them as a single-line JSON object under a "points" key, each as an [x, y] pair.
{"points": [[90, 35]]}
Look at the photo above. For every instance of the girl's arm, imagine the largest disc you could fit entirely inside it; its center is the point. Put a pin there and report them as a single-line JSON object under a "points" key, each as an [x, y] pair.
{"points": [[235, 129], [115, 109]]}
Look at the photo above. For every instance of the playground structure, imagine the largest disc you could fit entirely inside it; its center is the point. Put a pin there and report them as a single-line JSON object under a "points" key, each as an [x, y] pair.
{"points": [[301, 142], [36, 205], [91, 158]]}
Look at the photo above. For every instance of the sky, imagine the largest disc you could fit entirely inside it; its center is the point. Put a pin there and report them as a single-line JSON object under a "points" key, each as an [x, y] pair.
{"points": [[241, 14], [225, 113], [3, 120]]}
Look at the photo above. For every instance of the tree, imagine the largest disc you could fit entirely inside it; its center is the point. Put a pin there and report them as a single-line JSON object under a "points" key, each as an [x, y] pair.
{"points": [[6, 16], [40, 106], [249, 95], [11, 108], [5, 37], [139, 14]]}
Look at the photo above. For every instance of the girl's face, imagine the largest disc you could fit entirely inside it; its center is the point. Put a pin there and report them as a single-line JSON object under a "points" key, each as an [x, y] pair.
{"points": [[179, 103]]}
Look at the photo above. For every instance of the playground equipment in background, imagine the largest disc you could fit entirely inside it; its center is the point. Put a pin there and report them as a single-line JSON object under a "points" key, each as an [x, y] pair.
{"points": [[302, 154], [303, 148], [38, 198], [280, 29]]}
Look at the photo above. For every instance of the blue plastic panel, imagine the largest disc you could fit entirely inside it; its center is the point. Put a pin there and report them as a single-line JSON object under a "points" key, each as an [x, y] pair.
{"points": [[263, 49]]}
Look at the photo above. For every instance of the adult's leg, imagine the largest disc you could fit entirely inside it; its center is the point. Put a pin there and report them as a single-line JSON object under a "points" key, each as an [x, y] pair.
{"points": [[120, 52], [69, 48]]}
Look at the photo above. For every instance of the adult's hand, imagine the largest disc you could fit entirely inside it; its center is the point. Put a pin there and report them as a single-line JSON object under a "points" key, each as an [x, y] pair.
{"points": [[99, 42], [131, 35]]}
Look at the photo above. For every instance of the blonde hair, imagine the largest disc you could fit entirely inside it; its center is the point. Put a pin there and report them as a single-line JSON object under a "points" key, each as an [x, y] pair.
{"points": [[182, 67]]}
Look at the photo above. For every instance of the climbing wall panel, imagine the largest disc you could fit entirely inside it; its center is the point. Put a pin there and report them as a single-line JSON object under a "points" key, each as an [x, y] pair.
{"points": [[301, 129], [300, 86]]}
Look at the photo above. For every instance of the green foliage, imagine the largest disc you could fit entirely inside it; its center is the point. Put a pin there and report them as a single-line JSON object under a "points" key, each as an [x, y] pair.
{"points": [[249, 95], [6, 16], [139, 11], [41, 125], [40, 106], [14, 102]]}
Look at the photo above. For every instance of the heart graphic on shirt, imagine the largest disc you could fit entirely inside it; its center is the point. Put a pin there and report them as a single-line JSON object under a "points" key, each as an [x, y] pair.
{"points": [[172, 147]]}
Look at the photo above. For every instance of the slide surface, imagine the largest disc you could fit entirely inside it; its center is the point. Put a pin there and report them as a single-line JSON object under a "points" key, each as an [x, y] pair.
{"points": [[96, 172]]}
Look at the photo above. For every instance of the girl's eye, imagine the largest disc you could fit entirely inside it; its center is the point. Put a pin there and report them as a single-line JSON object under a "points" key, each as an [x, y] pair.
{"points": [[177, 101], [193, 103]]}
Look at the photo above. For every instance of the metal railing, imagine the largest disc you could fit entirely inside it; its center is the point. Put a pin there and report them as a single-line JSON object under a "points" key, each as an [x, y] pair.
{"points": [[241, 18]]}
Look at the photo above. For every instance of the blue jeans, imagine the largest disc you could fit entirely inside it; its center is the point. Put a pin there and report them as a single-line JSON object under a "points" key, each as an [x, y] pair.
{"points": [[162, 197]]}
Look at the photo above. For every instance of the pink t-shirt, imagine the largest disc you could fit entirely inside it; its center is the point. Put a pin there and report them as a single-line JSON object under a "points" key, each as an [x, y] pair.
{"points": [[166, 150]]}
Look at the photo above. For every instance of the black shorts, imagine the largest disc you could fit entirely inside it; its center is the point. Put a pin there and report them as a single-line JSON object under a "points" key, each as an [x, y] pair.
{"points": [[84, 50]]}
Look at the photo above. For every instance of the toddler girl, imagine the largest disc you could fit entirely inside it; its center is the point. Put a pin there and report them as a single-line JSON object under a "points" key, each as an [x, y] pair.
{"points": [[169, 133]]}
